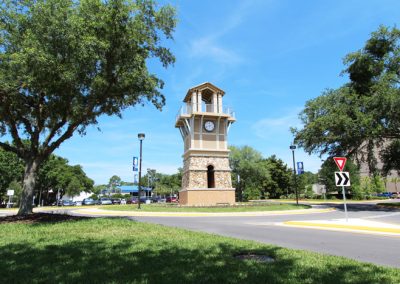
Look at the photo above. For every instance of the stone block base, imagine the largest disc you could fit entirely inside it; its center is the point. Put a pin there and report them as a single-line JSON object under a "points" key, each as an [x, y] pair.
{"points": [[206, 197]]}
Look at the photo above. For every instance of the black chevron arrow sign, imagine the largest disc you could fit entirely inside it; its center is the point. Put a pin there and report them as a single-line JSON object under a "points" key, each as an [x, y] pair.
{"points": [[342, 178]]}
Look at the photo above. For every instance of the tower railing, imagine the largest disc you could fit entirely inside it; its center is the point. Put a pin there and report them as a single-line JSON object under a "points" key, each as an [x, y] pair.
{"points": [[206, 108]]}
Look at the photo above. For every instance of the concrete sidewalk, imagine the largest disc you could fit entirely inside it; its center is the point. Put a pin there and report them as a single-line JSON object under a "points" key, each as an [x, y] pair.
{"points": [[352, 225]]}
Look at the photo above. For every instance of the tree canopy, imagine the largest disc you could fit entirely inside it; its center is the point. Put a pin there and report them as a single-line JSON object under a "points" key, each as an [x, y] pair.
{"points": [[259, 177], [65, 63], [363, 113], [11, 169]]}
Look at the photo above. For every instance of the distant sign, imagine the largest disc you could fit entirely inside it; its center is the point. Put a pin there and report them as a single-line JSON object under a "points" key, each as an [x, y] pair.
{"points": [[135, 164], [300, 168], [10, 192], [342, 178], [340, 162]]}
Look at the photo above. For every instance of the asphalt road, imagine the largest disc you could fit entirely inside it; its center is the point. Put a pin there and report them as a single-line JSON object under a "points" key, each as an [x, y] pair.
{"points": [[378, 249]]}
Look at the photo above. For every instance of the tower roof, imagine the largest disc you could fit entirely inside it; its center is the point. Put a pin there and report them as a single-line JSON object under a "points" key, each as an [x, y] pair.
{"points": [[202, 87]]}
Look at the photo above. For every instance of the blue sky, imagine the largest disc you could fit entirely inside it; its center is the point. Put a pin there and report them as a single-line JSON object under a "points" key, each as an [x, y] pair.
{"points": [[270, 57]]}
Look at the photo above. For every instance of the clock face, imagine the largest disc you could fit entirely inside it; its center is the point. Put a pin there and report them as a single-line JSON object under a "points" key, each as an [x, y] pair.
{"points": [[209, 126]]}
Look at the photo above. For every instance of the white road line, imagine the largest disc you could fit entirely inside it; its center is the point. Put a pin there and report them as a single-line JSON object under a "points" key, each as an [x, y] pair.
{"points": [[381, 216]]}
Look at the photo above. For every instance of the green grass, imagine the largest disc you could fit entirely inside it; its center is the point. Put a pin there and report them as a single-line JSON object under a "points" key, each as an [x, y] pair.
{"points": [[123, 251], [175, 208]]}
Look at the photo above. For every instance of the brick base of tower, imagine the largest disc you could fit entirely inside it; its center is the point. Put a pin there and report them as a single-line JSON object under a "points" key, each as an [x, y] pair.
{"points": [[206, 197], [195, 188]]}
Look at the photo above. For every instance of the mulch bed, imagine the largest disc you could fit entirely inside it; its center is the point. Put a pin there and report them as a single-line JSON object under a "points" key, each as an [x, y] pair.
{"points": [[40, 218]]}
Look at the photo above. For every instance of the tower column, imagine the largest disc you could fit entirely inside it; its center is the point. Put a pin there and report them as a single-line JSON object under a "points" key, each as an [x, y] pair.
{"points": [[199, 101], [215, 103], [194, 102], [220, 103]]}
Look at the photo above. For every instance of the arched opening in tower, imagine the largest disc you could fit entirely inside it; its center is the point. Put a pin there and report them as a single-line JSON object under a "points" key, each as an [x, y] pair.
{"points": [[210, 177]]}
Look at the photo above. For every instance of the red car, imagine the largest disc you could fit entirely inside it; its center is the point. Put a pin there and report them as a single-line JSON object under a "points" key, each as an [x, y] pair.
{"points": [[171, 199], [133, 200]]}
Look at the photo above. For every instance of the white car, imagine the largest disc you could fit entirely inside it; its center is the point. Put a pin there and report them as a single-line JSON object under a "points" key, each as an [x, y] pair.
{"points": [[105, 201]]}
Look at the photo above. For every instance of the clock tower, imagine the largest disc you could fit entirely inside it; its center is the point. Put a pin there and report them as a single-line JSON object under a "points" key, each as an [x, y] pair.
{"points": [[204, 124]]}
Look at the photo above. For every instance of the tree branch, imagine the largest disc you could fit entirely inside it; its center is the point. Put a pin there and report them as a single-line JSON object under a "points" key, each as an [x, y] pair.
{"points": [[54, 131], [9, 148], [67, 134]]}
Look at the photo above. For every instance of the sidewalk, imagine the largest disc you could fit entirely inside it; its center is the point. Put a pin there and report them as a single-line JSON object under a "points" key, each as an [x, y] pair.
{"points": [[352, 225]]}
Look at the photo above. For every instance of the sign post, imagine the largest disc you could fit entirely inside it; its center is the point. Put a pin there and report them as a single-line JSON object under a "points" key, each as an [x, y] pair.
{"points": [[135, 164], [10, 193], [342, 179], [300, 168]]}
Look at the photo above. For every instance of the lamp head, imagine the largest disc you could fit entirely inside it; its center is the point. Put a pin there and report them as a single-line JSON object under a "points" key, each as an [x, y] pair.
{"points": [[141, 136]]}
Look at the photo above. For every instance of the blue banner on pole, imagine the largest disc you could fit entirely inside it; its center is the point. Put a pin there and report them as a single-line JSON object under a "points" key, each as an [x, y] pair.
{"points": [[135, 178], [135, 164], [300, 168]]}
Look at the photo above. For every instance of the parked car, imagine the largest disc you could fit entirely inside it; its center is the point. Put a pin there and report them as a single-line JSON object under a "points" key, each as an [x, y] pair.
{"points": [[396, 195], [105, 201], [171, 199], [116, 201], [89, 201], [132, 200], [123, 201], [158, 199], [78, 203], [143, 199], [385, 194], [66, 203]]}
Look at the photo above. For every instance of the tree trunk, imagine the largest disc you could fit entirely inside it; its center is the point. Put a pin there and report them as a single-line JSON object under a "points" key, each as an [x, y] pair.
{"points": [[31, 169]]}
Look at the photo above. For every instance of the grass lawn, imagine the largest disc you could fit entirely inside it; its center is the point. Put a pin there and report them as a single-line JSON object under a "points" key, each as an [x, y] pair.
{"points": [[168, 207], [123, 251]]}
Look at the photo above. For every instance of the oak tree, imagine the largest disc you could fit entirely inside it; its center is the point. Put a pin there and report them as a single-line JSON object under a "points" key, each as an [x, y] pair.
{"points": [[64, 63]]}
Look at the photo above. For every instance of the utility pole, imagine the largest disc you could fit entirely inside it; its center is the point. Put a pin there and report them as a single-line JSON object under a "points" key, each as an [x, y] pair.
{"points": [[293, 147]]}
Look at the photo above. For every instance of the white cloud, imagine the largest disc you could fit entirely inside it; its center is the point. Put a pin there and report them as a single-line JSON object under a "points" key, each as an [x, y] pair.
{"points": [[207, 47], [269, 128], [210, 46]]}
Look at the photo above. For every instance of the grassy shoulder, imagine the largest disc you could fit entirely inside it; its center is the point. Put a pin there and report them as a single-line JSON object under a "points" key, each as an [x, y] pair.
{"points": [[122, 251], [157, 207]]}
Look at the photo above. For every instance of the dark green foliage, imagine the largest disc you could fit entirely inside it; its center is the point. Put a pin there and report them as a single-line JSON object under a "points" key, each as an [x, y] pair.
{"points": [[391, 157], [65, 63], [305, 182], [164, 184], [259, 177], [57, 175], [362, 113], [248, 164], [114, 183], [280, 175], [11, 169]]}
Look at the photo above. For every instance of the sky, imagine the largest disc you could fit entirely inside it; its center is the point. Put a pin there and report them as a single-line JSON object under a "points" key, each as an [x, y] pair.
{"points": [[270, 57]]}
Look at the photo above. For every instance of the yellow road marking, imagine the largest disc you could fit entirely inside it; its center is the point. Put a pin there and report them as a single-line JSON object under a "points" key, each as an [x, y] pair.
{"points": [[348, 227], [100, 212]]}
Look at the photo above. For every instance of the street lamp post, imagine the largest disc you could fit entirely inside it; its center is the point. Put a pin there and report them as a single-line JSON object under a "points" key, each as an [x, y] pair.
{"points": [[293, 147], [239, 189], [141, 138]]}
